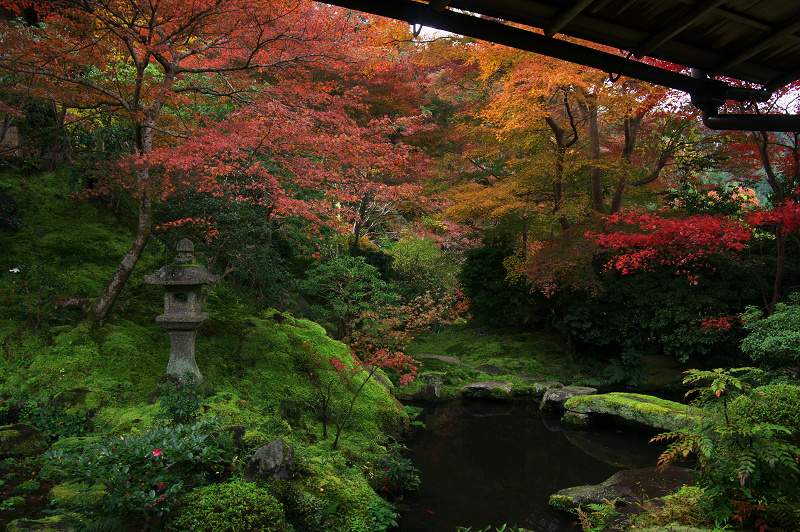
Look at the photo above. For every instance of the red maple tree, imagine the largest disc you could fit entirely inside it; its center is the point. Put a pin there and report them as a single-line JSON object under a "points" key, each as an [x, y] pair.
{"points": [[220, 94]]}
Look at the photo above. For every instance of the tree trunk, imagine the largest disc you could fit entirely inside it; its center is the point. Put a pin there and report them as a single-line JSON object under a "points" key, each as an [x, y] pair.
{"points": [[595, 176], [780, 238], [562, 144], [105, 303], [631, 127]]}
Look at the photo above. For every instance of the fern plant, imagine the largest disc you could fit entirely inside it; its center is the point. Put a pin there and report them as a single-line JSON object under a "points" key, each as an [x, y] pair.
{"points": [[742, 464]]}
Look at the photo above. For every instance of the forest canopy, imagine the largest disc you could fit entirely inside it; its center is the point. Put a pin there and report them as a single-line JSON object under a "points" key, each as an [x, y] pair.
{"points": [[286, 137]]}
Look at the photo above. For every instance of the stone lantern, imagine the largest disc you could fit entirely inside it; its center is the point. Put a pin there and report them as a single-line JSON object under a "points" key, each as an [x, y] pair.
{"points": [[186, 286]]}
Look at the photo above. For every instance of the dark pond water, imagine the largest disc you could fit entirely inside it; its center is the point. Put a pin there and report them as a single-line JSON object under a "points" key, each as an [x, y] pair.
{"points": [[484, 463]]}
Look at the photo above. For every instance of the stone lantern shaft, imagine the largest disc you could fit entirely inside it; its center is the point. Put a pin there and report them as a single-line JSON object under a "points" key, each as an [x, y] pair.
{"points": [[185, 288]]}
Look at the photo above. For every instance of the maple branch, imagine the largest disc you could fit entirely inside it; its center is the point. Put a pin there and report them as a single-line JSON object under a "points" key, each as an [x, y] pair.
{"points": [[571, 123], [483, 168]]}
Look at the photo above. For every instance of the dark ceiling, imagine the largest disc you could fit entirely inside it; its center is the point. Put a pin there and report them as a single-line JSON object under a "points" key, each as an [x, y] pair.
{"points": [[751, 41]]}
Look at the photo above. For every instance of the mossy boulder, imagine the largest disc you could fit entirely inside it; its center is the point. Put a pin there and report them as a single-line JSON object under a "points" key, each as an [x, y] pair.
{"points": [[55, 523], [76, 494], [21, 439], [12, 503], [78, 401], [576, 418], [555, 398], [429, 393], [495, 389], [652, 411]]}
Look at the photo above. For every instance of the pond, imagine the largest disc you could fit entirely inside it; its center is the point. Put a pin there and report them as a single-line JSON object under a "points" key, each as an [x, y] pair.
{"points": [[488, 463]]}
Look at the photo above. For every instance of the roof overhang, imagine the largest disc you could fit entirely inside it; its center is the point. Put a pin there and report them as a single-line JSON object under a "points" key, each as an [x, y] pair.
{"points": [[752, 44]]}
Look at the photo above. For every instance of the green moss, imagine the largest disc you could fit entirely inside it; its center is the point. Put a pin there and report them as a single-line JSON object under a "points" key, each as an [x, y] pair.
{"points": [[527, 353], [76, 494], [562, 502], [235, 507], [576, 418], [21, 440], [54, 523], [27, 486], [502, 394], [12, 503], [119, 421], [78, 401], [652, 411], [253, 439]]}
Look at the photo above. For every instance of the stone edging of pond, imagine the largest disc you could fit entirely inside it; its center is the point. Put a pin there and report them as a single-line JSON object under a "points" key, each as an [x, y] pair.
{"points": [[581, 405]]}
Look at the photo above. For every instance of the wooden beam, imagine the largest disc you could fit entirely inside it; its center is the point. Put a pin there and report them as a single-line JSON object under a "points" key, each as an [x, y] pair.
{"points": [[564, 17], [700, 10]]}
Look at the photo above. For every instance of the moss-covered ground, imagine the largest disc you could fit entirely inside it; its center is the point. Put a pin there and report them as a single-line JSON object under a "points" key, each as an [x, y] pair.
{"points": [[263, 374]]}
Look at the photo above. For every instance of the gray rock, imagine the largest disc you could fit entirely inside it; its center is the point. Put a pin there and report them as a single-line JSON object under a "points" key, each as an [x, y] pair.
{"points": [[626, 486], [541, 388], [273, 460], [491, 370], [576, 418], [554, 398], [501, 390], [430, 393]]}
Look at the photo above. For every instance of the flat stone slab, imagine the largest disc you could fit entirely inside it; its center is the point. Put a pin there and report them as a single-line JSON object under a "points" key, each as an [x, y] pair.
{"points": [[451, 360], [496, 389], [625, 486], [555, 398], [491, 370], [541, 387], [651, 411]]}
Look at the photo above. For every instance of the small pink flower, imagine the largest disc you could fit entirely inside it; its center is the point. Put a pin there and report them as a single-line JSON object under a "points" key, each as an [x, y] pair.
{"points": [[719, 392], [157, 452]]}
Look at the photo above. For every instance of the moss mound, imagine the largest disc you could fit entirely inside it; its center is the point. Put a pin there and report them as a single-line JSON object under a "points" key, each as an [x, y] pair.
{"points": [[234, 507]]}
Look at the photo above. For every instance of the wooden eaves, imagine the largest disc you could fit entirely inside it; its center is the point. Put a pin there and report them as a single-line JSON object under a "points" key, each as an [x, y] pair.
{"points": [[737, 50]]}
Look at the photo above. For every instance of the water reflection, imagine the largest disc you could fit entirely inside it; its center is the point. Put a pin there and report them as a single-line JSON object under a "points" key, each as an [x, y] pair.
{"points": [[489, 463]]}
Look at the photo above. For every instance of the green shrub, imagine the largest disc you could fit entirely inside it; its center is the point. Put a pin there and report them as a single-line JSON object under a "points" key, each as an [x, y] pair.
{"points": [[28, 485], [774, 403], [180, 401], [682, 507], [12, 503], [235, 507], [52, 420], [748, 469], [144, 475], [773, 340], [394, 475], [308, 512]]}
